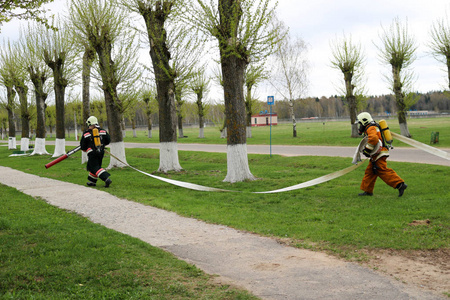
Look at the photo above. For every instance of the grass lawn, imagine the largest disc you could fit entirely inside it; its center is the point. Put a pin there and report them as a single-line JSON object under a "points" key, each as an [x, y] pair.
{"points": [[328, 216], [49, 253]]}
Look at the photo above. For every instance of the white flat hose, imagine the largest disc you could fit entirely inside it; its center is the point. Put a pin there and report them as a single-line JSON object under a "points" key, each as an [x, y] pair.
{"points": [[302, 185], [421, 146], [197, 187], [314, 181]]}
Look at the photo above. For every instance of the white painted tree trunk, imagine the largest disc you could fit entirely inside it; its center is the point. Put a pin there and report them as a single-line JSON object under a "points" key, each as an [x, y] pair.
{"points": [[168, 157], [39, 147], [150, 134], [404, 129], [223, 133], [249, 131], [60, 147], [201, 133], [84, 157], [118, 150], [24, 144], [237, 164], [180, 133], [134, 133], [12, 143]]}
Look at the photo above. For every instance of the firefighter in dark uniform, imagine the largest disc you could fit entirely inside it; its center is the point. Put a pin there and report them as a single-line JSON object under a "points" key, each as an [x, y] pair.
{"points": [[378, 152], [93, 142]]}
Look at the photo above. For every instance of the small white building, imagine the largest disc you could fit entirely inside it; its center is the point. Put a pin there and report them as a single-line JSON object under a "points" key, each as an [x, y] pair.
{"points": [[264, 119]]}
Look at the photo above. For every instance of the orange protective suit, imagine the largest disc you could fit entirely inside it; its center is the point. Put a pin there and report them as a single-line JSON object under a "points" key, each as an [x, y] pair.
{"points": [[379, 161]]}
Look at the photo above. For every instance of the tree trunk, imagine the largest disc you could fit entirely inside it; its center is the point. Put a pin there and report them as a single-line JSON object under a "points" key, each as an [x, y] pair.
{"points": [[133, 127], [168, 159], [400, 101], [149, 122], [179, 103], [22, 90], [38, 78], [88, 58], [348, 76], [233, 69], [248, 110], [294, 122], [201, 113], [11, 94], [112, 105], [60, 84], [165, 86]]}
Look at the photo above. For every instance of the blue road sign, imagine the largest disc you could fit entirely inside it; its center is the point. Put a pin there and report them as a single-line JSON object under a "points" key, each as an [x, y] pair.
{"points": [[270, 100]]}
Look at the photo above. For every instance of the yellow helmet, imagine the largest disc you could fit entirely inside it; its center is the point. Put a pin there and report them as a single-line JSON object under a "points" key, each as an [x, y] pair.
{"points": [[364, 118], [92, 121]]}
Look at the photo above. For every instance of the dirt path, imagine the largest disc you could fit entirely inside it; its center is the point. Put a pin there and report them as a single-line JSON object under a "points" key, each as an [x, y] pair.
{"points": [[267, 268]]}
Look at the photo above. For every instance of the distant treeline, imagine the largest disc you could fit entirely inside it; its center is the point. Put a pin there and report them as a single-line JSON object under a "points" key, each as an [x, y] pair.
{"points": [[324, 107], [336, 106]]}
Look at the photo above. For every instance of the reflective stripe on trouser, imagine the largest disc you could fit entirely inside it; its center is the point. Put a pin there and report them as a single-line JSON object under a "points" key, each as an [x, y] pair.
{"points": [[386, 174], [102, 174], [92, 177]]}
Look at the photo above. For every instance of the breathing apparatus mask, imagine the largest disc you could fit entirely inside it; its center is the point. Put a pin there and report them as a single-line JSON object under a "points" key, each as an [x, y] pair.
{"points": [[364, 119]]}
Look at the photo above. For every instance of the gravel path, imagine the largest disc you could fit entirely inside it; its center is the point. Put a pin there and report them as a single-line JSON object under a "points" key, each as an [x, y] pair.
{"points": [[261, 265]]}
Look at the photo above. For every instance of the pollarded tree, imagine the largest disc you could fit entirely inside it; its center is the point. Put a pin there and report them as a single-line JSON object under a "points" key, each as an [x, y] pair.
{"points": [[180, 100], [440, 43], [397, 50], [59, 54], [149, 97], [21, 87], [88, 57], [10, 55], [349, 59], [8, 67], [32, 53], [3, 121], [244, 35], [290, 67], [160, 16], [199, 84], [186, 51], [106, 27]]}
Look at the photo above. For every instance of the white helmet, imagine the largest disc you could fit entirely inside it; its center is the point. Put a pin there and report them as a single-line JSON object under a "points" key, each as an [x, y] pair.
{"points": [[92, 121], [364, 118]]}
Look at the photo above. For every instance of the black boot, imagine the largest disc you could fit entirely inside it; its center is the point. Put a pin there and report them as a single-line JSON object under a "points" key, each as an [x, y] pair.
{"points": [[90, 183], [365, 194], [108, 182], [401, 188]]}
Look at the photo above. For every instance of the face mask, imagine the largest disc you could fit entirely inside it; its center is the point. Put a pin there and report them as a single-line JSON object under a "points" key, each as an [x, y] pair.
{"points": [[361, 129]]}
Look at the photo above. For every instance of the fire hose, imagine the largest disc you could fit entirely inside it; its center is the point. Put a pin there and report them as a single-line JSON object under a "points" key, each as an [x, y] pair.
{"points": [[62, 157], [309, 183], [197, 187]]}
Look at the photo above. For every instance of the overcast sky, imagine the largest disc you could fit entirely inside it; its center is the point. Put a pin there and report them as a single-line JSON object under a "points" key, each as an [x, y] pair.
{"points": [[319, 22]]}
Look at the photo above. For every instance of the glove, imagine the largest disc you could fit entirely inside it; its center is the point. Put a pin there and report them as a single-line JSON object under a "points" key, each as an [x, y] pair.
{"points": [[366, 152]]}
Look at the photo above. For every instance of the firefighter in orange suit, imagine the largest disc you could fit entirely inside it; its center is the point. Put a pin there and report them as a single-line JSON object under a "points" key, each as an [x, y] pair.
{"points": [[93, 142], [378, 152]]}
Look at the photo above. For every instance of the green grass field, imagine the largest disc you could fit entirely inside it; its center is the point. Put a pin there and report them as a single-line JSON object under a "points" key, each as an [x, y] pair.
{"points": [[329, 216]]}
